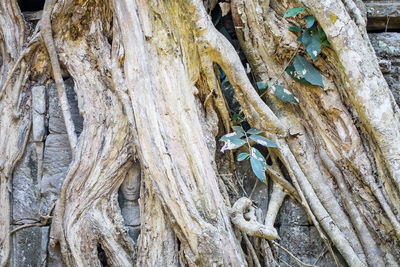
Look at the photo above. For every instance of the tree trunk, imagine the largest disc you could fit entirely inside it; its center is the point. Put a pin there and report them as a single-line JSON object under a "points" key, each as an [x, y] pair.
{"points": [[146, 76]]}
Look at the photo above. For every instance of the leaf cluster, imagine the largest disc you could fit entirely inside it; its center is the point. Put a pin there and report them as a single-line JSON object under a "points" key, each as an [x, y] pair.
{"points": [[312, 36], [240, 137]]}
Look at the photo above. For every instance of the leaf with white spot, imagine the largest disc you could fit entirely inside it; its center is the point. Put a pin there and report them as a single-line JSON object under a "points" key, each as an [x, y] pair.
{"points": [[312, 42], [232, 144], [233, 135], [292, 72], [285, 95], [258, 164], [262, 141], [307, 71], [293, 12]]}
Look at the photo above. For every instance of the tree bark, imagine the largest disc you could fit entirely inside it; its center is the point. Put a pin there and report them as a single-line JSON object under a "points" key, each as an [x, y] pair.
{"points": [[146, 78]]}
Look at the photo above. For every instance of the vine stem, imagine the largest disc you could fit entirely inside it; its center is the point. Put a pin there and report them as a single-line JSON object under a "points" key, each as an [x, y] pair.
{"points": [[291, 254], [282, 72]]}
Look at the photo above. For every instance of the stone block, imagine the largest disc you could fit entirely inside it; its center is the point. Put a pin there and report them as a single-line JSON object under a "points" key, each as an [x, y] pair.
{"points": [[25, 189], [56, 119], [38, 112], [29, 247], [56, 161]]}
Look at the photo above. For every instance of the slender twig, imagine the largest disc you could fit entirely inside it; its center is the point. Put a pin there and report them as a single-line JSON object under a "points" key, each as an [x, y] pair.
{"points": [[282, 72], [321, 255], [254, 188], [276, 177], [291, 255]]}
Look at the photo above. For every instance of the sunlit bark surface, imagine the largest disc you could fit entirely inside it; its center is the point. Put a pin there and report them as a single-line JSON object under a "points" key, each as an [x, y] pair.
{"points": [[146, 78]]}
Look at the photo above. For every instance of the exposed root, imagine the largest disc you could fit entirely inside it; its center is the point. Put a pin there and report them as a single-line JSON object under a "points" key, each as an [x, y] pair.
{"points": [[250, 225], [357, 15], [27, 52], [252, 250], [277, 197], [219, 49], [366, 239], [314, 206], [277, 178], [47, 36]]}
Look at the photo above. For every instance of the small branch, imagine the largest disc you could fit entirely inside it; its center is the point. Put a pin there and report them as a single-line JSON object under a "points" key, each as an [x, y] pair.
{"points": [[208, 97], [44, 220], [47, 37], [291, 255]]}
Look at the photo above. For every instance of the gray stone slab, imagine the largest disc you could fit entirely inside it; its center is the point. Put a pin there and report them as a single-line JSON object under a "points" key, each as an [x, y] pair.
{"points": [[292, 213], [56, 119], [25, 189], [134, 232], [38, 112], [28, 249], [57, 157]]}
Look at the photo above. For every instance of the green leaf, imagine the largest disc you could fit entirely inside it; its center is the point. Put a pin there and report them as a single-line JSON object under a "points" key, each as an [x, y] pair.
{"points": [[257, 154], [292, 72], [232, 144], [293, 12], [283, 94], [258, 164], [305, 70], [258, 169], [326, 43], [262, 86], [254, 131], [235, 117], [294, 29], [262, 141], [216, 14], [312, 42], [238, 129], [323, 37], [310, 20], [230, 136], [243, 156]]}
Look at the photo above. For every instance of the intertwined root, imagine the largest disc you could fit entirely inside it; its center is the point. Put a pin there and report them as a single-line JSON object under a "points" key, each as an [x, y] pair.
{"points": [[139, 88]]}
